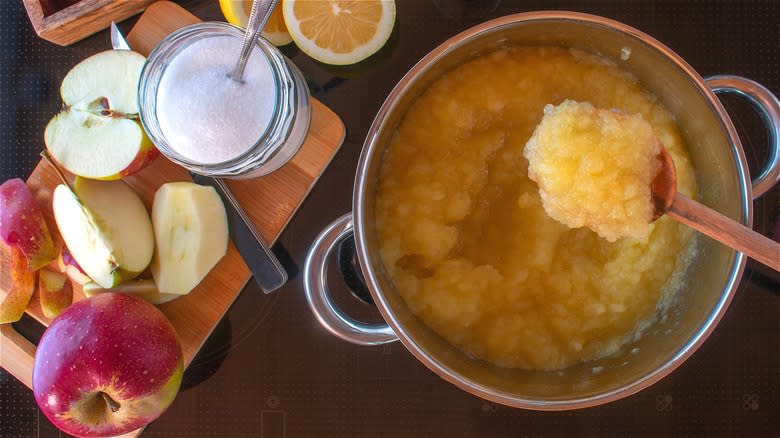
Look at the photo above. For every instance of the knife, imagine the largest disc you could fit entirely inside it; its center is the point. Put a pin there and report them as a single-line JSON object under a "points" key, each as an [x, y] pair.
{"points": [[118, 41], [265, 267]]}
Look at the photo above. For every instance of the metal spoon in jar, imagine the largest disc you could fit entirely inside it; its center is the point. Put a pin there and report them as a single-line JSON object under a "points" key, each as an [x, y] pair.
{"points": [[258, 17], [667, 200]]}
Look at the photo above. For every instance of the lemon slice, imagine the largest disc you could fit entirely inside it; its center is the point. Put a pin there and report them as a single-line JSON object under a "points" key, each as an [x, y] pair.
{"points": [[339, 32], [237, 12]]}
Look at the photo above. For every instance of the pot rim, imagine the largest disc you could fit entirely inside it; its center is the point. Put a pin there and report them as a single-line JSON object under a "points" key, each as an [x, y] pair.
{"points": [[369, 151]]}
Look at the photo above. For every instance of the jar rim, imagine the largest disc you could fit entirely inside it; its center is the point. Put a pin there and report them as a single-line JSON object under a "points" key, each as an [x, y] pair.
{"points": [[153, 71]]}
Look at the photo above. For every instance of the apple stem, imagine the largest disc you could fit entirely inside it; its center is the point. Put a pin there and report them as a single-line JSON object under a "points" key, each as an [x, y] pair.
{"points": [[118, 115], [112, 404], [47, 157]]}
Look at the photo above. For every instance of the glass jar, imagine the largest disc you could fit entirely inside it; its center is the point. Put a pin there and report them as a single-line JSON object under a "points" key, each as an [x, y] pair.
{"points": [[205, 121]]}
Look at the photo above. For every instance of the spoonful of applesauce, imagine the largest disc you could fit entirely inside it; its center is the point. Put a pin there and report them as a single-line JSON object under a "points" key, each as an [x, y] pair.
{"points": [[608, 171]]}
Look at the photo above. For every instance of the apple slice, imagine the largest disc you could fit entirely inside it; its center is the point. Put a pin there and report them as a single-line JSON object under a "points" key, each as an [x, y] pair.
{"points": [[97, 135], [70, 267], [79, 228], [123, 216], [190, 227], [23, 286], [22, 224], [106, 228], [142, 288], [55, 292]]}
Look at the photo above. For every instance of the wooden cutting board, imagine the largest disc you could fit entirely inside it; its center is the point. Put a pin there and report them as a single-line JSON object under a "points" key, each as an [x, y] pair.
{"points": [[270, 201]]}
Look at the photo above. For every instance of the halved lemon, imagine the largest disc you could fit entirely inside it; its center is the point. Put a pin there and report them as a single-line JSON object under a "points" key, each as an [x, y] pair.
{"points": [[339, 32], [237, 12]]}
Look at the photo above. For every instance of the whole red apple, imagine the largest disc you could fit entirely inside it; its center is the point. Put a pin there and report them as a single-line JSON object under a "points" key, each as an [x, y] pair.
{"points": [[107, 365]]}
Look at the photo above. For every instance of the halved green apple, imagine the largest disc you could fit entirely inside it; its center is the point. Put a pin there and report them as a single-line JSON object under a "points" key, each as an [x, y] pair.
{"points": [[106, 227], [97, 134]]}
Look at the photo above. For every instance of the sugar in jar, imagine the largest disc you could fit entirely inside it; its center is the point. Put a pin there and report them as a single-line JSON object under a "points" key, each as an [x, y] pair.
{"points": [[202, 119]]}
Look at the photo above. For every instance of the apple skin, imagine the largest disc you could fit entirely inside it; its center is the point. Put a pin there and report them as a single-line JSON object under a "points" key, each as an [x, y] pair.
{"points": [[113, 345], [17, 299], [145, 157], [22, 224]]}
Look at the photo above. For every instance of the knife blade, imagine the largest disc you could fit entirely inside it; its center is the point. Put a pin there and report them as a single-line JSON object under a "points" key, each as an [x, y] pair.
{"points": [[265, 267], [118, 41]]}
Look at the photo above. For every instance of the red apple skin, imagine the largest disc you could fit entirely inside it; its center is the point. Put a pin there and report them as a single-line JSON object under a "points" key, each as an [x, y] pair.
{"points": [[112, 343], [143, 159], [22, 224]]}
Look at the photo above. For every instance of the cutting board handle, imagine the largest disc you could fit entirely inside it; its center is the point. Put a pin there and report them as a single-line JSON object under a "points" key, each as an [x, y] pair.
{"points": [[17, 354]]}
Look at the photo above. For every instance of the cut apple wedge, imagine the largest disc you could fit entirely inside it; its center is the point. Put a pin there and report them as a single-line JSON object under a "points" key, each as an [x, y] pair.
{"points": [[98, 147], [22, 224], [97, 135], [145, 289], [91, 245], [54, 291], [22, 288], [190, 227], [106, 227]]}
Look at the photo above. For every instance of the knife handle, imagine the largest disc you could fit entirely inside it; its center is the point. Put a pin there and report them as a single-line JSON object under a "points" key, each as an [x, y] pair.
{"points": [[265, 267]]}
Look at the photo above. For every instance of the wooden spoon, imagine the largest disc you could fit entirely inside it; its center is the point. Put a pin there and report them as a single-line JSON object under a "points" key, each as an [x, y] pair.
{"points": [[706, 220]]}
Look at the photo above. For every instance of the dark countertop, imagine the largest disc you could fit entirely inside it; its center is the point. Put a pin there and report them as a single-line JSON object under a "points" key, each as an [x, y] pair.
{"points": [[269, 369]]}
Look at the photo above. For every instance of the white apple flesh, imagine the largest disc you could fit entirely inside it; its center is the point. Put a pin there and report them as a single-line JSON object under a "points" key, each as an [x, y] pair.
{"points": [[106, 228], [107, 365], [143, 288], [79, 228], [190, 227], [97, 135], [95, 146], [55, 292], [111, 74]]}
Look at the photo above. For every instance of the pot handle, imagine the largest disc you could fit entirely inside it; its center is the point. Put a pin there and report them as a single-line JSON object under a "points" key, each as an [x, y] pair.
{"points": [[768, 106], [318, 296]]}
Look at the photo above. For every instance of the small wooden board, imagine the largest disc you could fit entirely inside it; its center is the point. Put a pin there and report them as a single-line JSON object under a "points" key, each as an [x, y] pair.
{"points": [[270, 202]]}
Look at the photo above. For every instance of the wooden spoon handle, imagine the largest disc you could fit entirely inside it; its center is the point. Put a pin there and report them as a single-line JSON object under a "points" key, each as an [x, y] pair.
{"points": [[725, 230]]}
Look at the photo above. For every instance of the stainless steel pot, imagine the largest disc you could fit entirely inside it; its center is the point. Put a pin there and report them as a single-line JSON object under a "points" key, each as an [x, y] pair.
{"points": [[723, 179]]}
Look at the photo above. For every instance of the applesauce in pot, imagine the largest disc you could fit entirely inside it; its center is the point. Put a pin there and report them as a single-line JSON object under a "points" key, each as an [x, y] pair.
{"points": [[466, 241]]}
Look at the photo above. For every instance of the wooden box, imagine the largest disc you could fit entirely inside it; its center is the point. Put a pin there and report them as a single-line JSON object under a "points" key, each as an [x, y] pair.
{"points": [[64, 22]]}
